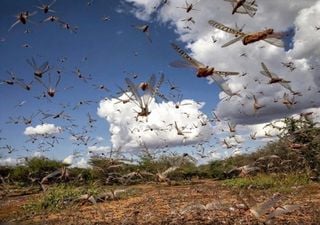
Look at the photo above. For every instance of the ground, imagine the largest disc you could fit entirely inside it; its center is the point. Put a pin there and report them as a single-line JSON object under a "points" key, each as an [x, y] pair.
{"points": [[163, 204]]}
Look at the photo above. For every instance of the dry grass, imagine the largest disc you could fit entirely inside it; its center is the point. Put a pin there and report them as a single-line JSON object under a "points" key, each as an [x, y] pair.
{"points": [[162, 204]]}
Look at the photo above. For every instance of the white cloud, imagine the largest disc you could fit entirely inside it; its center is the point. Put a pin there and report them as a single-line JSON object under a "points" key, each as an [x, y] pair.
{"points": [[158, 129], [81, 163], [38, 154], [264, 128], [304, 54], [99, 149], [307, 40], [11, 161], [273, 127], [69, 159], [144, 8], [77, 160], [99, 139], [43, 129]]}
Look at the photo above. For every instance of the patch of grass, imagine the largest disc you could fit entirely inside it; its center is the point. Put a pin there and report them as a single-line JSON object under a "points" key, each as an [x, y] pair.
{"points": [[60, 196], [63, 196], [56, 198], [276, 182]]}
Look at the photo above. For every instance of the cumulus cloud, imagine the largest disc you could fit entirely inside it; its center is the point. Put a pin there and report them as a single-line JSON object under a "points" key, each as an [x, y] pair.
{"points": [[38, 154], [274, 126], [11, 161], [99, 139], [144, 8], [76, 160], [166, 126], [304, 53], [265, 132], [306, 38], [242, 141], [43, 129], [81, 163]]}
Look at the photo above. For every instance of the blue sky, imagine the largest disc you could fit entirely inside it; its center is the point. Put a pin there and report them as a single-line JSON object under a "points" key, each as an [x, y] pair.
{"points": [[108, 47], [109, 50]]}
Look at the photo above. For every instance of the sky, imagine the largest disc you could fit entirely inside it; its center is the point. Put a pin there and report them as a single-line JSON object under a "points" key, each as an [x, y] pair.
{"points": [[106, 51]]}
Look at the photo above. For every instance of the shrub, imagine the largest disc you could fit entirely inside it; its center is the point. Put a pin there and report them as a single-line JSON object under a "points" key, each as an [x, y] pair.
{"points": [[20, 174], [278, 182], [40, 166], [81, 175]]}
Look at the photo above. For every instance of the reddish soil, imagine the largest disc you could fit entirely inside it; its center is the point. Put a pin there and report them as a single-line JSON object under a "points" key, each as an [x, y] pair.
{"points": [[163, 204]]}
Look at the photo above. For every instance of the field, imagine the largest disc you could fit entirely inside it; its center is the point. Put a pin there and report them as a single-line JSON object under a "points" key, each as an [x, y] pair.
{"points": [[274, 185], [159, 203]]}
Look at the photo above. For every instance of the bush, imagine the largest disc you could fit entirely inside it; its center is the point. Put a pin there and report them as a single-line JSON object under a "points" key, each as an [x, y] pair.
{"points": [[217, 169], [40, 166], [35, 168], [102, 167], [187, 168], [278, 182], [20, 174], [5, 171], [81, 175]]}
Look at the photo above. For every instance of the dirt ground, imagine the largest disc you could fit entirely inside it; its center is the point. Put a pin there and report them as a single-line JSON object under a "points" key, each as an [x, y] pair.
{"points": [[163, 204]]}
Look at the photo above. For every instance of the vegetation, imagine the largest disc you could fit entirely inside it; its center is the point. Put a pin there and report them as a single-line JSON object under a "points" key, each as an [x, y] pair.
{"points": [[32, 171], [56, 198], [296, 152], [62, 196], [277, 182], [285, 165]]}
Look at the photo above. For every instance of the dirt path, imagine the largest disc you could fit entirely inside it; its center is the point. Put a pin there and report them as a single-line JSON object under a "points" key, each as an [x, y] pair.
{"points": [[162, 204]]}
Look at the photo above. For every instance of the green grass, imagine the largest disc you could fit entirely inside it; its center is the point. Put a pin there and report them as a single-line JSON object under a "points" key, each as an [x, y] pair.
{"points": [[63, 196], [56, 198], [276, 182]]}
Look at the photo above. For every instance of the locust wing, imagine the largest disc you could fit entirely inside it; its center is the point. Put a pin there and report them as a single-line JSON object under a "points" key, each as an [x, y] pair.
{"points": [[145, 29], [231, 1], [224, 28], [13, 25], [44, 67], [245, 8], [262, 208], [221, 83], [282, 210], [287, 86], [181, 64], [32, 63], [216, 77], [248, 9], [134, 91], [225, 73], [275, 41], [232, 42], [188, 58], [42, 83], [58, 80], [266, 72], [155, 89]]}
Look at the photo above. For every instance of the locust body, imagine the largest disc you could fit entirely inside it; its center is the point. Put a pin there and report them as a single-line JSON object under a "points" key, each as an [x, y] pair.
{"points": [[251, 38]]}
